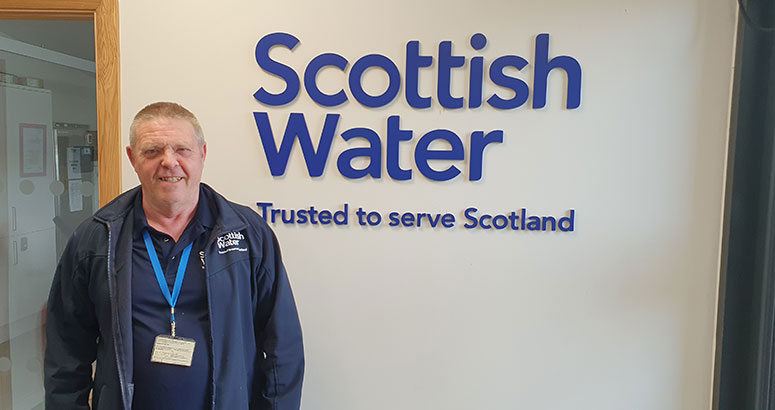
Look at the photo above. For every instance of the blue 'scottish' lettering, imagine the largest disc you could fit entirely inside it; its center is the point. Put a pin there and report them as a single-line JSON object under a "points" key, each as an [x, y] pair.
{"points": [[447, 65]]}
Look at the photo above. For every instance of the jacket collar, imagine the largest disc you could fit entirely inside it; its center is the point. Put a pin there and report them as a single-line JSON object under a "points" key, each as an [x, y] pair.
{"points": [[227, 219]]}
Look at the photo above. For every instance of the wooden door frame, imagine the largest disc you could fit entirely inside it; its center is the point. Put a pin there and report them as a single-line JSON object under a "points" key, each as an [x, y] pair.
{"points": [[104, 13]]}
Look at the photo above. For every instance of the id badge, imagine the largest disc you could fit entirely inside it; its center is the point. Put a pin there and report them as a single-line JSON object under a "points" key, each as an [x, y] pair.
{"points": [[173, 350]]}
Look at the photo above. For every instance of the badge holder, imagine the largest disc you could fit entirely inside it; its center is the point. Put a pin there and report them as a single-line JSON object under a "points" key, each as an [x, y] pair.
{"points": [[170, 349]]}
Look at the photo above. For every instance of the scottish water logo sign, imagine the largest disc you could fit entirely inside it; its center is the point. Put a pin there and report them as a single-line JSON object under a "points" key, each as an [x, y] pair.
{"points": [[479, 71], [514, 93]]}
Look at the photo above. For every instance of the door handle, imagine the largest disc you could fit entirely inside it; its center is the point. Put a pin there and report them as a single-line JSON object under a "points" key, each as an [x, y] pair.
{"points": [[13, 218], [15, 253]]}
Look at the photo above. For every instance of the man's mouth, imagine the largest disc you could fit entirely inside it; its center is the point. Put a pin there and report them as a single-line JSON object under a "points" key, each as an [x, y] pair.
{"points": [[171, 179]]}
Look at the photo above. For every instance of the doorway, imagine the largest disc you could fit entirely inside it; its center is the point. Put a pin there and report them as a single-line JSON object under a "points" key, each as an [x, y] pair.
{"points": [[60, 150]]}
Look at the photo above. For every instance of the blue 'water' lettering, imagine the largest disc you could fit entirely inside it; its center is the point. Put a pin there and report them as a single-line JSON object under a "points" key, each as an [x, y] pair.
{"points": [[316, 158]]}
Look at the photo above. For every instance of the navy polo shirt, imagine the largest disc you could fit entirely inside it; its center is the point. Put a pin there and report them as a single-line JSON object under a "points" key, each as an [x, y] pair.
{"points": [[164, 386]]}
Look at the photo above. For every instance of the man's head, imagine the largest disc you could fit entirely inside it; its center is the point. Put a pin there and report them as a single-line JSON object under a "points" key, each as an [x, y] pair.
{"points": [[167, 150], [167, 110]]}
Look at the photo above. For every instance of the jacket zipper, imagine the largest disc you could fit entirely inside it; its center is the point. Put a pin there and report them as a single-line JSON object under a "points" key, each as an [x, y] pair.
{"points": [[114, 315], [210, 321]]}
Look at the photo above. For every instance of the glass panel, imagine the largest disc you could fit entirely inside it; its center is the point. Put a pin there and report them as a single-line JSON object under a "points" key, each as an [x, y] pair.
{"points": [[48, 182]]}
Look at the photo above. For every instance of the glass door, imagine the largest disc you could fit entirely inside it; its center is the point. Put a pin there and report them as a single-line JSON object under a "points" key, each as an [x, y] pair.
{"points": [[48, 182]]}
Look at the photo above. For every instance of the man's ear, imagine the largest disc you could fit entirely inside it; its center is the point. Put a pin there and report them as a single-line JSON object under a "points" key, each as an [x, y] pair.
{"points": [[129, 154]]}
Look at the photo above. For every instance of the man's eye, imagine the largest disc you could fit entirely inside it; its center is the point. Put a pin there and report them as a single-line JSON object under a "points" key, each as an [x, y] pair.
{"points": [[150, 152]]}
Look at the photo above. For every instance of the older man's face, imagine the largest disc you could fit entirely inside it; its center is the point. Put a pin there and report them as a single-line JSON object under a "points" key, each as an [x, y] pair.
{"points": [[169, 162]]}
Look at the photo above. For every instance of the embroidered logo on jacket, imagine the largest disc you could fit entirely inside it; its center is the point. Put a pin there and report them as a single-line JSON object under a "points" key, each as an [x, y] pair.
{"points": [[231, 242]]}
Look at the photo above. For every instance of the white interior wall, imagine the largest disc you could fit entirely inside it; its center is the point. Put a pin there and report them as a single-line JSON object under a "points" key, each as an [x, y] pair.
{"points": [[618, 314]]}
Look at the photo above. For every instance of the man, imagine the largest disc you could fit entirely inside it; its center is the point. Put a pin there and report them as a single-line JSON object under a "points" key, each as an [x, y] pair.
{"points": [[179, 295]]}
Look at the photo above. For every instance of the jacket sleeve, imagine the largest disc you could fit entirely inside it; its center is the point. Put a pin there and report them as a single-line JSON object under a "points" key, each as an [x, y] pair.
{"points": [[71, 335], [278, 333]]}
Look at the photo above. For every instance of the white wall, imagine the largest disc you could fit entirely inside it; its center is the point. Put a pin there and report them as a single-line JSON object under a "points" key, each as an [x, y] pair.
{"points": [[616, 315]]}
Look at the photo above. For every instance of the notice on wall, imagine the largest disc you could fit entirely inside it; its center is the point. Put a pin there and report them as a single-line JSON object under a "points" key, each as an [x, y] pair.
{"points": [[33, 150], [76, 196], [73, 163]]}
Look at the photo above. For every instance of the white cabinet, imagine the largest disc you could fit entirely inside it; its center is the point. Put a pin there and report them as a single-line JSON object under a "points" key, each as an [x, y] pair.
{"points": [[30, 202], [27, 234]]}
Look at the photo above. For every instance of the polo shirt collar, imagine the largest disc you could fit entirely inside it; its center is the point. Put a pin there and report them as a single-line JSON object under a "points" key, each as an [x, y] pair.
{"points": [[203, 215]]}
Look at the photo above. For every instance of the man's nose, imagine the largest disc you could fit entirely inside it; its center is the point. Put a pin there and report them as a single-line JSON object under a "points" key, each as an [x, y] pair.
{"points": [[168, 158]]}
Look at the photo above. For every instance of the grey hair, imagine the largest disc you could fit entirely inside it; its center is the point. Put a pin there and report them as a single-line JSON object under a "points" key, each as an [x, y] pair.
{"points": [[169, 110]]}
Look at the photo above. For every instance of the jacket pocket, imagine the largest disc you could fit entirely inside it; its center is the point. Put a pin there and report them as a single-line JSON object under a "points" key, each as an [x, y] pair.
{"points": [[108, 400], [100, 399]]}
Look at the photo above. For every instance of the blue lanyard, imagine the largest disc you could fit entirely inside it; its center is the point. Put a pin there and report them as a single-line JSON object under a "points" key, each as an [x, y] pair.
{"points": [[165, 290]]}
